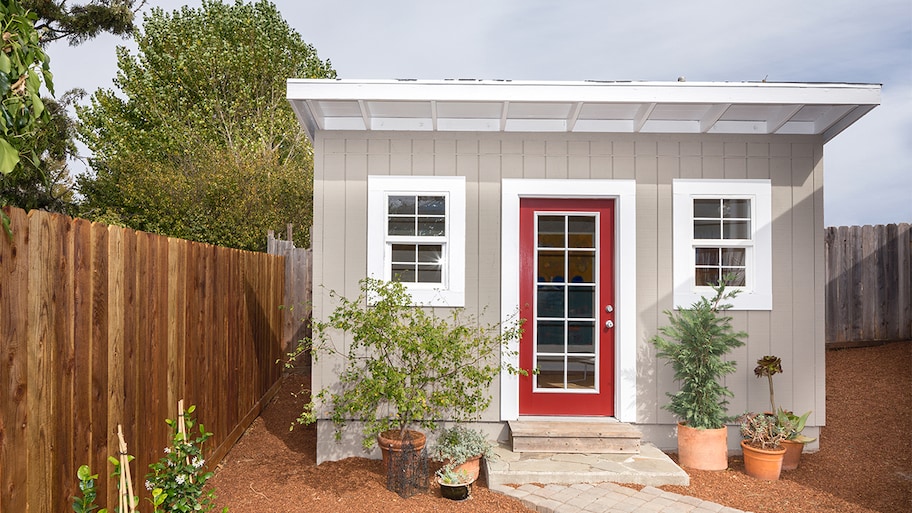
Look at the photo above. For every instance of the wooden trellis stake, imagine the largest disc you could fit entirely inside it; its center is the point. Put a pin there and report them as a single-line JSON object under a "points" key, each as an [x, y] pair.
{"points": [[125, 499]]}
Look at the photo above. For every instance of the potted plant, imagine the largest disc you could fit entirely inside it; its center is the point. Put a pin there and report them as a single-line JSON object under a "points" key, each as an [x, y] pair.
{"points": [[761, 443], [403, 367], [455, 484], [792, 426], [698, 338], [789, 423], [461, 449]]}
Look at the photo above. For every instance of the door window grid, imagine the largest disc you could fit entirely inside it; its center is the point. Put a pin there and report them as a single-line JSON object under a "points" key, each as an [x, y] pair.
{"points": [[566, 349]]}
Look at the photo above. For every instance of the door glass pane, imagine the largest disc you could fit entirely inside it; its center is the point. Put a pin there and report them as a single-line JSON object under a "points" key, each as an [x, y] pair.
{"points": [[581, 372], [551, 231], [551, 266], [581, 337], [550, 372], [581, 268], [582, 232], [581, 302], [550, 337], [550, 301]]}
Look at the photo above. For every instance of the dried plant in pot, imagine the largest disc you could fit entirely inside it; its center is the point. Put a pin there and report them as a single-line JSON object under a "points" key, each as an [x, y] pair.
{"points": [[761, 443], [404, 368], [461, 449], [695, 344], [789, 423]]}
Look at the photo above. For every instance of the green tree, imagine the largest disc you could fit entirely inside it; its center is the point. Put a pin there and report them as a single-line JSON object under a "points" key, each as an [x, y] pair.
{"points": [[80, 22], [199, 142]]}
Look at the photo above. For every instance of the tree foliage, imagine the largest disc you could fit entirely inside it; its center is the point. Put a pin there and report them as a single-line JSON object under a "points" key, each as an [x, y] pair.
{"points": [[698, 338], [79, 22], [23, 68], [199, 142]]}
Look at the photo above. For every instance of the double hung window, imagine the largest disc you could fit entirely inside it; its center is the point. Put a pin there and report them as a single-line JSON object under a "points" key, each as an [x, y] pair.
{"points": [[722, 232], [416, 236]]}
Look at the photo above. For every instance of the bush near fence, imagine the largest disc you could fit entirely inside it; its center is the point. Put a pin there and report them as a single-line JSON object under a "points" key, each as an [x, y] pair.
{"points": [[100, 326]]}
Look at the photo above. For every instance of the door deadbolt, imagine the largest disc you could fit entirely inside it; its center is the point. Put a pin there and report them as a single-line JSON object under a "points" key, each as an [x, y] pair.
{"points": [[609, 324]]}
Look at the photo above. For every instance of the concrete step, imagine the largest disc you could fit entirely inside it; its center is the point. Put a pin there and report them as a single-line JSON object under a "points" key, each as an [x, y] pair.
{"points": [[650, 467], [596, 436]]}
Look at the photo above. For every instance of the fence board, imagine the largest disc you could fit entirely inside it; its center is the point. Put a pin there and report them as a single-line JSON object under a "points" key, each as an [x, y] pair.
{"points": [[14, 405], [104, 326], [869, 283]]}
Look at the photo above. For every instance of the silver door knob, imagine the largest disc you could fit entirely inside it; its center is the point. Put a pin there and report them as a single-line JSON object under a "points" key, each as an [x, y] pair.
{"points": [[609, 324]]}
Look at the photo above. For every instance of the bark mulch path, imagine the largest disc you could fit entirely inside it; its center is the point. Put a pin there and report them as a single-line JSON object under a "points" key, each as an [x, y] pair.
{"points": [[865, 464]]}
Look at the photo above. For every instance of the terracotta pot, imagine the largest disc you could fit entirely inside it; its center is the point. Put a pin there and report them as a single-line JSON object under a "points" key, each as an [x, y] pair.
{"points": [[390, 443], [792, 454], [703, 449], [455, 492], [471, 466], [763, 464]]}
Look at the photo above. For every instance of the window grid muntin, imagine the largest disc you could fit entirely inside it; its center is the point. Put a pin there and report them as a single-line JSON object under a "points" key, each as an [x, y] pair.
{"points": [[417, 207], [743, 278], [566, 357]]}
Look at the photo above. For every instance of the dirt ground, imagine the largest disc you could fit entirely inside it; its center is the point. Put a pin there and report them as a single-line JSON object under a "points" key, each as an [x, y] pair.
{"points": [[864, 465]]}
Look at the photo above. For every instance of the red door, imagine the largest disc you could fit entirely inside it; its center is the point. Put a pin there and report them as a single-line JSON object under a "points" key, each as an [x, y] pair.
{"points": [[567, 299]]}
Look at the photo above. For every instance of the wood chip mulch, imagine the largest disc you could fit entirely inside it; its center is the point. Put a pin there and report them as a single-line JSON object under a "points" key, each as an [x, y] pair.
{"points": [[864, 465]]}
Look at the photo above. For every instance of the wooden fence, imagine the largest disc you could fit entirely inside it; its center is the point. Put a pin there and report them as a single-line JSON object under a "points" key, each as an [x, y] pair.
{"points": [[298, 288], [101, 326], [869, 283]]}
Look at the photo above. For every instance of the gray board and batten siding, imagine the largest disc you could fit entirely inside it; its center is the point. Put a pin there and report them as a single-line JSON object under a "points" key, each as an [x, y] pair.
{"points": [[793, 329]]}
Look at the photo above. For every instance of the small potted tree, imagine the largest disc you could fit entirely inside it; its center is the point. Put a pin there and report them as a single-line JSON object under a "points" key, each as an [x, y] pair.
{"points": [[695, 344], [404, 368], [762, 445], [790, 424]]}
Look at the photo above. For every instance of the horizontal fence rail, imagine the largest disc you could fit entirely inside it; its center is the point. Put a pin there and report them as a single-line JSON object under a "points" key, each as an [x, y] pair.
{"points": [[869, 283], [101, 326]]}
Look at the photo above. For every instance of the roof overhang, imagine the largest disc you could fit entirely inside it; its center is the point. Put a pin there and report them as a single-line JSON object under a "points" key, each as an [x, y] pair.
{"points": [[580, 107]]}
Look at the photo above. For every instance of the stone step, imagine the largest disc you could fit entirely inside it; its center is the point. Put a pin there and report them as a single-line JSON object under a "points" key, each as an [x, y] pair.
{"points": [[598, 436], [650, 467]]}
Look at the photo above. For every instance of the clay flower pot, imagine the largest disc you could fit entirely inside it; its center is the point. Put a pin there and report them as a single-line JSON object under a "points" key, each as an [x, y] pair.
{"points": [[765, 464], [392, 447], [792, 454], [471, 466], [703, 449]]}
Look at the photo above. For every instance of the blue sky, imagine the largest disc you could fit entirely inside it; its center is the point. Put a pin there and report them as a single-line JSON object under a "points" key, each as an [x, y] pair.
{"points": [[868, 168]]}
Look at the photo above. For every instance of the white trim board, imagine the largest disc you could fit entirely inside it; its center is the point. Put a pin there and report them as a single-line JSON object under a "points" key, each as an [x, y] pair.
{"points": [[624, 192]]}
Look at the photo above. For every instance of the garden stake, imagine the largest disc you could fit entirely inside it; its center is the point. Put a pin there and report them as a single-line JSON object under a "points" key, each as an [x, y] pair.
{"points": [[182, 427], [126, 481]]}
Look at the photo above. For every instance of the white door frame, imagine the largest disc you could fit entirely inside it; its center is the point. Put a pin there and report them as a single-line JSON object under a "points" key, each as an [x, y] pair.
{"points": [[624, 194]]}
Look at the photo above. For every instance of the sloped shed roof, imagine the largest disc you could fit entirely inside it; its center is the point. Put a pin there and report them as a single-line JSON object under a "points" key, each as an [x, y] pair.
{"points": [[594, 107]]}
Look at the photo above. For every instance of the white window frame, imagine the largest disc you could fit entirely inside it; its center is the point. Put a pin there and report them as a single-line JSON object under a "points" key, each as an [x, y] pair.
{"points": [[757, 294], [451, 293]]}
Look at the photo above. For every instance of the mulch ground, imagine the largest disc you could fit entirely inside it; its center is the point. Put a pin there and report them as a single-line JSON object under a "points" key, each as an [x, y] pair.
{"points": [[864, 465]]}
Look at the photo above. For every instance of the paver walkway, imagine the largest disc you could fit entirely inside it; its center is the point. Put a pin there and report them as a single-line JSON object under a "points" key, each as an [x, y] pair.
{"points": [[606, 498]]}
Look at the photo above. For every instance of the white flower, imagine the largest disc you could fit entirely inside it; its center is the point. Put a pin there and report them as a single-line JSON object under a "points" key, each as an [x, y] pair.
{"points": [[148, 485], [167, 450], [180, 479], [197, 463]]}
